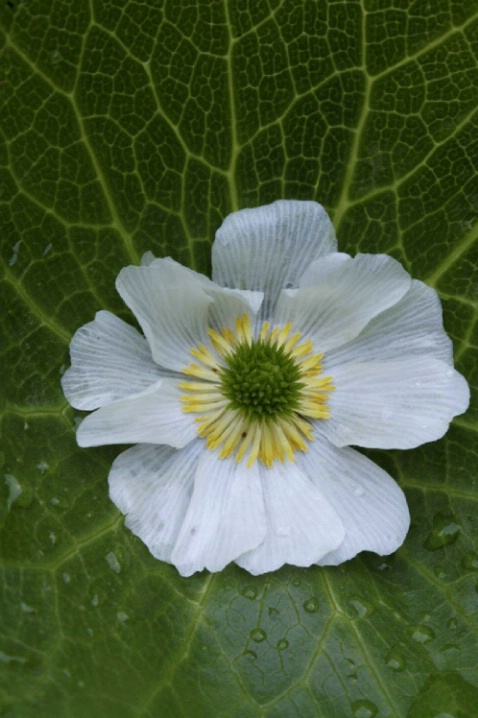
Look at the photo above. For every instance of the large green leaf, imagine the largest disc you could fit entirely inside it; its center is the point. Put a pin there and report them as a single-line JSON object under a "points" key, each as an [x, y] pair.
{"points": [[128, 126]]}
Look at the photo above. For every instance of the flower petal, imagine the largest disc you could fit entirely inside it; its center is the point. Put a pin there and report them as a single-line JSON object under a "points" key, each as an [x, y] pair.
{"points": [[225, 517], [389, 405], [269, 248], [109, 361], [339, 295], [302, 526], [371, 505], [155, 417], [175, 306], [152, 486], [411, 327], [173, 318]]}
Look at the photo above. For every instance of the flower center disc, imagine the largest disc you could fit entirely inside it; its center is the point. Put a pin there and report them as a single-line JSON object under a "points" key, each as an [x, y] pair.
{"points": [[261, 381], [255, 396]]}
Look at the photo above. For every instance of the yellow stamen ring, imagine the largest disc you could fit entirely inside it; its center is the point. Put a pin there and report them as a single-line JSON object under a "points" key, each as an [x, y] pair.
{"points": [[231, 417]]}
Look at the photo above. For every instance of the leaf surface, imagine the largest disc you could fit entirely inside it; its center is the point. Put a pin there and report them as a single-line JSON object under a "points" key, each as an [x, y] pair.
{"points": [[134, 126]]}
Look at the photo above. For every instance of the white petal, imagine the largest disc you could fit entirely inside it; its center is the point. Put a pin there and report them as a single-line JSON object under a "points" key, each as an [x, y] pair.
{"points": [[411, 327], [371, 505], [155, 417], [173, 317], [390, 405], [229, 304], [147, 259], [339, 295], [110, 361], [225, 517], [268, 248], [152, 486], [175, 306], [302, 526]]}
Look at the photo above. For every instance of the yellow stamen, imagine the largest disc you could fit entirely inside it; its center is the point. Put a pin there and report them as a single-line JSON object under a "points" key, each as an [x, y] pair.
{"points": [[233, 431]]}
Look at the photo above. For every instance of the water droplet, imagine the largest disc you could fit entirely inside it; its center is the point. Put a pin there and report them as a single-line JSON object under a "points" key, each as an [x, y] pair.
{"points": [[122, 616], [52, 537], [283, 532], [5, 658], [422, 634], [282, 644], [470, 561], [113, 562], [296, 582], [364, 709], [273, 612], [395, 662], [258, 635], [26, 608], [14, 258], [444, 532], [439, 572], [47, 249], [452, 624], [251, 654], [249, 592], [311, 605], [90, 632], [14, 488], [54, 501], [359, 608], [66, 577], [384, 566], [42, 466], [358, 490], [55, 57], [95, 600]]}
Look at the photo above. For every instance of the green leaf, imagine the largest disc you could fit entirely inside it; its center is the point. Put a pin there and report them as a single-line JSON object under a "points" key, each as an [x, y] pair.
{"points": [[129, 126]]}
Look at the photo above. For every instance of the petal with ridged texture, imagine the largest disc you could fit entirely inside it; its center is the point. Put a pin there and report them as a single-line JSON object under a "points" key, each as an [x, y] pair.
{"points": [[225, 517], [152, 486], [110, 360], [302, 526], [371, 505], [268, 248], [155, 417]]}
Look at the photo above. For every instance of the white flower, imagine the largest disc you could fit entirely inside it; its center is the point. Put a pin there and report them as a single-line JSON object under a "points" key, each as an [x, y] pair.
{"points": [[245, 392]]}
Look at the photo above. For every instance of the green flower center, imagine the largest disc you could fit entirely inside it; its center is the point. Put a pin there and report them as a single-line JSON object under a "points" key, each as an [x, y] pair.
{"points": [[261, 381], [256, 397]]}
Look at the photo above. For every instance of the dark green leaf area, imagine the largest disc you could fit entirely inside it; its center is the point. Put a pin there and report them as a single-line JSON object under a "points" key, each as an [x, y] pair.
{"points": [[128, 127]]}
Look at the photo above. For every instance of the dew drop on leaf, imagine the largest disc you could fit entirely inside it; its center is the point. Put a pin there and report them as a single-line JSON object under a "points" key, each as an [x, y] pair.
{"points": [[452, 624], [364, 709], [311, 605], [282, 644], [439, 572], [422, 634], [395, 662], [470, 561], [359, 608], [249, 592], [251, 654], [258, 635], [444, 532], [19, 495], [113, 562]]}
